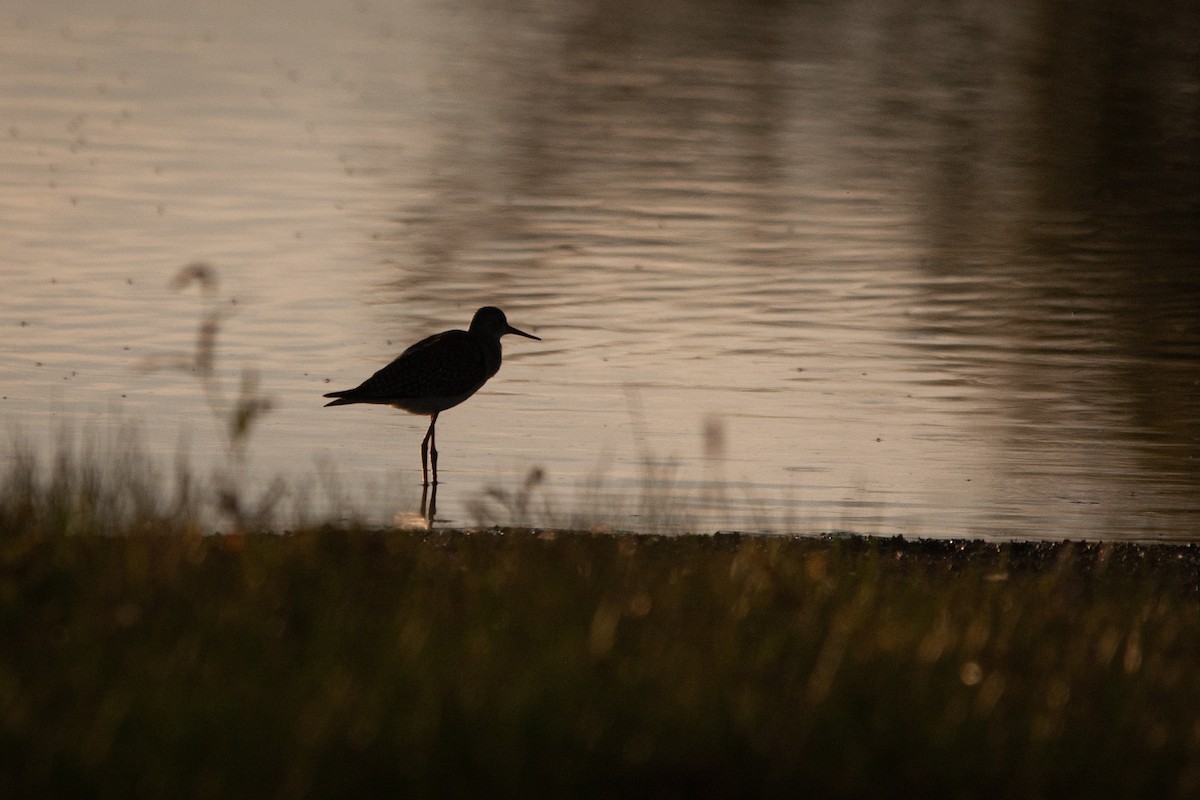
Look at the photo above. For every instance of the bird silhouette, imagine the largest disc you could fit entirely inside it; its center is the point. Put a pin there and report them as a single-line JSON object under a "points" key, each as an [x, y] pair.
{"points": [[435, 374]]}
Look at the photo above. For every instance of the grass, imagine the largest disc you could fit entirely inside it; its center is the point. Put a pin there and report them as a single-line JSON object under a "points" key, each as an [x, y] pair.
{"points": [[339, 663]]}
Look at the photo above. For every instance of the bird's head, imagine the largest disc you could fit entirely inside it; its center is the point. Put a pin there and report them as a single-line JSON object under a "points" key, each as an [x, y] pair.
{"points": [[491, 321]]}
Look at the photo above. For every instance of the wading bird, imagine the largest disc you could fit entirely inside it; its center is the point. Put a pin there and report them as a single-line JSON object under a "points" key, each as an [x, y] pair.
{"points": [[437, 373]]}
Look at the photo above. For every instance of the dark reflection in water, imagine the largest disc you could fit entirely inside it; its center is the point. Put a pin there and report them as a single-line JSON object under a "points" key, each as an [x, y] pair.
{"points": [[1097, 246]]}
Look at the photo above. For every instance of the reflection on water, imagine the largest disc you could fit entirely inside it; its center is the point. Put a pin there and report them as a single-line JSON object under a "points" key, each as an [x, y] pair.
{"points": [[926, 269]]}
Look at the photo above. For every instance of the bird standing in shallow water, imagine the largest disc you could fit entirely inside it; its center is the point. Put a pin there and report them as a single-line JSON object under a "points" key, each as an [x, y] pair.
{"points": [[437, 373]]}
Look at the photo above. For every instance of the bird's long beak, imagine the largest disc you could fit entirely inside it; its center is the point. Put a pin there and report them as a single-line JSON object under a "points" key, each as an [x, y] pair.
{"points": [[511, 329]]}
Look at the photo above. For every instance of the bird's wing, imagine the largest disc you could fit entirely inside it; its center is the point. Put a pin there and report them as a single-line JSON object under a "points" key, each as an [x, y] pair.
{"points": [[443, 365]]}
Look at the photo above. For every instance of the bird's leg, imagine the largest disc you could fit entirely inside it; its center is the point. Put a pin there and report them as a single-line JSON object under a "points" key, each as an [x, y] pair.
{"points": [[425, 455], [425, 447], [433, 449], [424, 464]]}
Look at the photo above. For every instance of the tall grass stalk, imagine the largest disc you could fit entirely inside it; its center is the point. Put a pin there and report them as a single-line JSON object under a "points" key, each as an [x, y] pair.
{"points": [[235, 415]]}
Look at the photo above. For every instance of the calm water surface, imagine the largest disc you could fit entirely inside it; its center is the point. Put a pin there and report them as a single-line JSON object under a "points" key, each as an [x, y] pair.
{"points": [[881, 267]]}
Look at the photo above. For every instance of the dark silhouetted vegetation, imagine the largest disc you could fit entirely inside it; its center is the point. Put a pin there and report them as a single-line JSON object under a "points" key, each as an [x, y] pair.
{"points": [[355, 663]]}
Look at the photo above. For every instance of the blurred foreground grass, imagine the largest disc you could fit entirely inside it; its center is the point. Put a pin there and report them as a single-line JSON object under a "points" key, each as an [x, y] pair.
{"points": [[353, 663]]}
